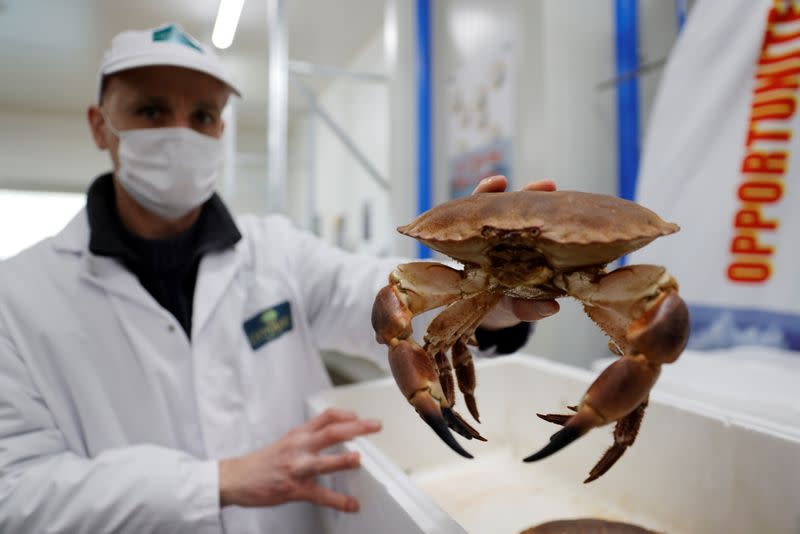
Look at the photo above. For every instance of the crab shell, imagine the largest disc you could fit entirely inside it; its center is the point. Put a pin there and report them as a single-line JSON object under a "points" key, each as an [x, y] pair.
{"points": [[568, 229]]}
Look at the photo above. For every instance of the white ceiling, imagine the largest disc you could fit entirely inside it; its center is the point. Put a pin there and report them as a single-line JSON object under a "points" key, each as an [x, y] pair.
{"points": [[50, 49]]}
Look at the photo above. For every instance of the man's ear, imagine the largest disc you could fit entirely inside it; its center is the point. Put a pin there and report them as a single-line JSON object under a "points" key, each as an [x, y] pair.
{"points": [[97, 125]]}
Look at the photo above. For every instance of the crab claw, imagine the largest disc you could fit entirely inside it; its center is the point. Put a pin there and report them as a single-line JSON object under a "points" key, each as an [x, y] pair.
{"points": [[616, 392], [559, 419], [416, 376], [620, 392], [431, 413], [558, 441]]}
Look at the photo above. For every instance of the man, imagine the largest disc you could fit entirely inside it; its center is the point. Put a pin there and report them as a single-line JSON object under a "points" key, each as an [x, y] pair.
{"points": [[155, 355]]}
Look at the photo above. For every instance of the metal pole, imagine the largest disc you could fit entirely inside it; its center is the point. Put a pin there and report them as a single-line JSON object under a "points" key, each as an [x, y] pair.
{"points": [[311, 173], [229, 137], [424, 123], [627, 36], [627, 40], [278, 105], [680, 13]]}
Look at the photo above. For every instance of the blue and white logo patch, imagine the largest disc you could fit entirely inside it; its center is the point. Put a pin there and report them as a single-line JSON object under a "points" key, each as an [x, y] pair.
{"points": [[268, 325]]}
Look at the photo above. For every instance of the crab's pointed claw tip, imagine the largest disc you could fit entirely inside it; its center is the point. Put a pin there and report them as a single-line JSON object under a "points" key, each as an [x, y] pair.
{"points": [[558, 441], [439, 425], [441, 419], [472, 406], [457, 423], [558, 419]]}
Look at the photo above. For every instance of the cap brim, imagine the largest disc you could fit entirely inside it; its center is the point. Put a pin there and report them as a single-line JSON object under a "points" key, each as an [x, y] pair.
{"points": [[133, 63]]}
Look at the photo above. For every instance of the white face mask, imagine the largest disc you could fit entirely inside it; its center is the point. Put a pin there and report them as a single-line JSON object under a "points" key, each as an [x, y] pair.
{"points": [[168, 171]]}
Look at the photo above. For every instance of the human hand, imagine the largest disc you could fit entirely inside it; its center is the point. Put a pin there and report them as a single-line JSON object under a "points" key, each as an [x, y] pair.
{"points": [[510, 311], [287, 469]]}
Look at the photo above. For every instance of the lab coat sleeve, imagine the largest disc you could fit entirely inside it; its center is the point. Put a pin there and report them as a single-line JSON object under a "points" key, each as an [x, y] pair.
{"points": [[46, 488], [338, 289]]}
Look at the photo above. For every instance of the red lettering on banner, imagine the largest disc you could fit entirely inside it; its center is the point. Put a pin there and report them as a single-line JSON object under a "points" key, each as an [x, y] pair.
{"points": [[772, 38], [774, 109], [745, 244], [753, 191], [753, 135], [751, 219], [788, 59], [749, 272], [783, 11], [765, 162]]}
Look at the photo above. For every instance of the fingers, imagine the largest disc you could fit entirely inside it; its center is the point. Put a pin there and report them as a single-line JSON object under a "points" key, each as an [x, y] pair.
{"points": [[510, 311], [337, 462], [533, 310], [331, 415], [501, 316], [313, 465], [498, 183], [338, 501], [492, 184], [541, 185], [339, 432]]}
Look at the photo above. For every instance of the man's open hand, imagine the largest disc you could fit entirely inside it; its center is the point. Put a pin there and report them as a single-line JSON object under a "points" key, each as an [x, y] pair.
{"points": [[286, 470]]}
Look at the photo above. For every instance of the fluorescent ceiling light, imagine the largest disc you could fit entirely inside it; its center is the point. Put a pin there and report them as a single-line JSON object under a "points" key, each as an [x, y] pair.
{"points": [[227, 20]]}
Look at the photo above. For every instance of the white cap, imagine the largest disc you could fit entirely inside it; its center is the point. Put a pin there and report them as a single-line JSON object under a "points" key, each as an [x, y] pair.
{"points": [[165, 45]]}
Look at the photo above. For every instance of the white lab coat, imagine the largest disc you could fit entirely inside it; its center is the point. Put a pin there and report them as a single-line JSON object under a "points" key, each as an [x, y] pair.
{"points": [[112, 421]]}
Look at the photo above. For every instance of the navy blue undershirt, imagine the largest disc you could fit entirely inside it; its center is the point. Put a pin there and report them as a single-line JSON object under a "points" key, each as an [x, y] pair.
{"points": [[166, 268]]}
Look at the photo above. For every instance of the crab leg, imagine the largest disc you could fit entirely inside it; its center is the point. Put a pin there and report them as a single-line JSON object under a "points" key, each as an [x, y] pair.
{"points": [[625, 433], [640, 309], [452, 329], [465, 374], [414, 288]]}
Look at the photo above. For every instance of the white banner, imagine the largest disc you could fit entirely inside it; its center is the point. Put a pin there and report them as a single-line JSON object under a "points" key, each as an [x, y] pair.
{"points": [[722, 159]]}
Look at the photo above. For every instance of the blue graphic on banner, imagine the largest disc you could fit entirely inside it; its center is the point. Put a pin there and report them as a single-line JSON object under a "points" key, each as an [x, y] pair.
{"points": [[717, 328], [469, 168]]}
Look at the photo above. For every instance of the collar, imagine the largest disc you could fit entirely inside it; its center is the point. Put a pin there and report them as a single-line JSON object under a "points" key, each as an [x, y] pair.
{"points": [[214, 230]]}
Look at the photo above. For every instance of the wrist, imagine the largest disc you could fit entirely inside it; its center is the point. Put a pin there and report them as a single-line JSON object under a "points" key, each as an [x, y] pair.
{"points": [[227, 482]]}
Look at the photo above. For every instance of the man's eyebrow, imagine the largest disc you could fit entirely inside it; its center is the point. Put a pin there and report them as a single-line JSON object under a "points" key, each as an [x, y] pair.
{"points": [[148, 99], [208, 105]]}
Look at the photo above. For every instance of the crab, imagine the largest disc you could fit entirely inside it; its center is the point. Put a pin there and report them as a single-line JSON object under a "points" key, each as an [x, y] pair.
{"points": [[586, 526], [533, 245]]}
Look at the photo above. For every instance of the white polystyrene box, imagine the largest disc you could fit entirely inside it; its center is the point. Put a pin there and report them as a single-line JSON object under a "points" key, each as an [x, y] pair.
{"points": [[693, 468]]}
